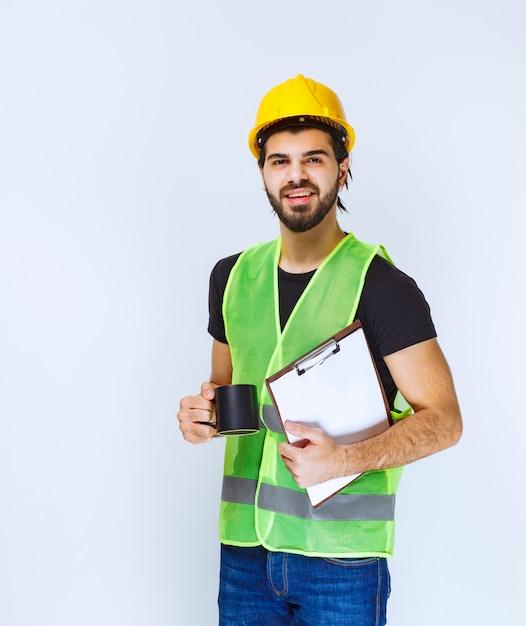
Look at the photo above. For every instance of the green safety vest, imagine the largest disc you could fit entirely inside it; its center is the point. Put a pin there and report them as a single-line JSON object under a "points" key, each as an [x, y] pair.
{"points": [[261, 504]]}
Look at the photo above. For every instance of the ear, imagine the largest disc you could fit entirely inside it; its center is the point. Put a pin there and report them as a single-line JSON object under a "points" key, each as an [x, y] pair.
{"points": [[344, 168]]}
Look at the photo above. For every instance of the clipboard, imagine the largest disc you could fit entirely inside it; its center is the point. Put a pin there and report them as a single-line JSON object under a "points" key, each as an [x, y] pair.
{"points": [[334, 387]]}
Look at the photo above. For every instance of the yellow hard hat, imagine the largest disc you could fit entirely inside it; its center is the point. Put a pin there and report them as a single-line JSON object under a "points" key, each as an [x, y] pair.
{"points": [[296, 102]]}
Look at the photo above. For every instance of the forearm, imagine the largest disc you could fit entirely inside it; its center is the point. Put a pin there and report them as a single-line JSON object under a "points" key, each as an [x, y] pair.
{"points": [[419, 435], [416, 436], [423, 377], [221, 364]]}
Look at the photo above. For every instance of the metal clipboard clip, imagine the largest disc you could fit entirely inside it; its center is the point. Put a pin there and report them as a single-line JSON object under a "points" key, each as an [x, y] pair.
{"points": [[317, 356]]}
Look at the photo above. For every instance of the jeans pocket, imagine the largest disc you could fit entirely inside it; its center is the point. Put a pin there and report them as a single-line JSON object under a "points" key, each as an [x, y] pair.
{"points": [[351, 562]]}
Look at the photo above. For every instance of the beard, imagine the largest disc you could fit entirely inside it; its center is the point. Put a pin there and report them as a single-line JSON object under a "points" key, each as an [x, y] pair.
{"points": [[302, 218]]}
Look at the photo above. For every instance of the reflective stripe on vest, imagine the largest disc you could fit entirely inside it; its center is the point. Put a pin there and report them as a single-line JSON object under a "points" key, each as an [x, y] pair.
{"points": [[288, 502], [271, 419]]}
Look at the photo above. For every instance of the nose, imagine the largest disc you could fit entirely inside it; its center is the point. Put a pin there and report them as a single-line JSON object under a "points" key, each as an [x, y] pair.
{"points": [[297, 172]]}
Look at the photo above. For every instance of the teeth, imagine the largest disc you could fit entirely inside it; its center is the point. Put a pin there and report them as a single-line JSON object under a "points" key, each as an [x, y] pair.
{"points": [[299, 195]]}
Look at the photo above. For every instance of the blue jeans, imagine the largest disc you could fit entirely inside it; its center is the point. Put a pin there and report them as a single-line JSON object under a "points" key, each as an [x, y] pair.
{"points": [[261, 588]]}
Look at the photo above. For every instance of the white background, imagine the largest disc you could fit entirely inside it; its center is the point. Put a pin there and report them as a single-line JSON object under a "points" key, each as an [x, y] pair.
{"points": [[125, 174]]}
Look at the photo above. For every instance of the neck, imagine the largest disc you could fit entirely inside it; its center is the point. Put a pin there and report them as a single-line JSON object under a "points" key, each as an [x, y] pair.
{"points": [[304, 252]]}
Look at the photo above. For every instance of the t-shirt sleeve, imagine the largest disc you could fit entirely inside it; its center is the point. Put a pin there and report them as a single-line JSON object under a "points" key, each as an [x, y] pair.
{"points": [[393, 310], [218, 280]]}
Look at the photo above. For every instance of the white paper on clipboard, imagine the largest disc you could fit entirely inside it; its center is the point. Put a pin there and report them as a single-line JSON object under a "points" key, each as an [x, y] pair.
{"points": [[334, 387]]}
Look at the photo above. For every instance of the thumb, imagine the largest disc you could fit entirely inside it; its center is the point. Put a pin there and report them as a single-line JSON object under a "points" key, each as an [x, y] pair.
{"points": [[207, 390], [300, 430]]}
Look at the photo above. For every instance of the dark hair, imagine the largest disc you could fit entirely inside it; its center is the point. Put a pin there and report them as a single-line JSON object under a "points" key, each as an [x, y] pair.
{"points": [[340, 154]]}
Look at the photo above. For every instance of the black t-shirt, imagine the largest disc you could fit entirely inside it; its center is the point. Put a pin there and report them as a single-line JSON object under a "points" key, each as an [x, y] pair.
{"points": [[392, 309]]}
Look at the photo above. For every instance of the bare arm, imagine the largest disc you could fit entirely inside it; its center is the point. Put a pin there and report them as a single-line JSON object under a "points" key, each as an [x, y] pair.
{"points": [[221, 363], [201, 408], [423, 377]]}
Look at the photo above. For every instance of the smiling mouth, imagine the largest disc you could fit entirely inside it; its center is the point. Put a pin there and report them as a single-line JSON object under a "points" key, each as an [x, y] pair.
{"points": [[300, 194]]}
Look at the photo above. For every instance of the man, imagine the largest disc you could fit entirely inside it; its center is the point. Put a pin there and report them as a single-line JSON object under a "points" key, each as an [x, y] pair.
{"points": [[283, 562]]}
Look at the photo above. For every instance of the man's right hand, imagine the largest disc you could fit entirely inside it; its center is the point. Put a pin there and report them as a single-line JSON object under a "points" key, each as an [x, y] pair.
{"points": [[195, 413]]}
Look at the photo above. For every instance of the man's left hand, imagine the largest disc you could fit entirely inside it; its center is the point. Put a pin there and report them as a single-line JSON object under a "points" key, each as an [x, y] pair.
{"points": [[313, 459]]}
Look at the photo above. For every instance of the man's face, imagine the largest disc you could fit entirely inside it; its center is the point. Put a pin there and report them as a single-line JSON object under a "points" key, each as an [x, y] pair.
{"points": [[302, 177]]}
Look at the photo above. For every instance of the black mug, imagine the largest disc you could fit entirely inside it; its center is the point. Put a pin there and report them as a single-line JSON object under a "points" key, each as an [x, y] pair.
{"points": [[237, 410]]}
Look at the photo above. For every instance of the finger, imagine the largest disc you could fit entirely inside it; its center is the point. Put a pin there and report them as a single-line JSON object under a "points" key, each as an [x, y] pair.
{"points": [[302, 431], [196, 433], [291, 466], [197, 415], [289, 452], [208, 390], [195, 402]]}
